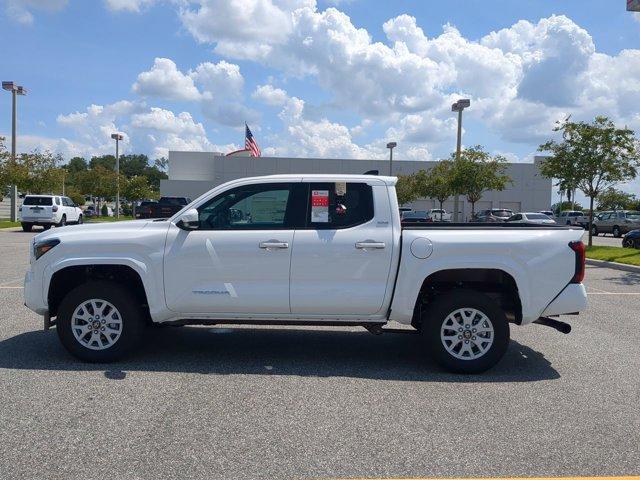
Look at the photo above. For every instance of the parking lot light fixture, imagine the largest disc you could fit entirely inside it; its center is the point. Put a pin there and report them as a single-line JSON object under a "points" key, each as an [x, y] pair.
{"points": [[459, 106], [15, 91], [391, 146], [117, 137]]}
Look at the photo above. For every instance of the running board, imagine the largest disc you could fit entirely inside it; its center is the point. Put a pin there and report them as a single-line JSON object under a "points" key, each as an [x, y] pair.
{"points": [[562, 327]]}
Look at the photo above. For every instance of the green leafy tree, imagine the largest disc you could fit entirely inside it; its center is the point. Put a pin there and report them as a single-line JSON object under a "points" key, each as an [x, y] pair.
{"points": [[613, 199], [34, 172], [76, 164], [136, 188], [74, 194], [437, 183], [477, 172], [602, 156], [406, 189], [98, 182], [105, 161]]}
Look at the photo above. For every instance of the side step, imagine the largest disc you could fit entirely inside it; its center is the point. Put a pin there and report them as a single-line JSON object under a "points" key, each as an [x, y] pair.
{"points": [[562, 327], [376, 329]]}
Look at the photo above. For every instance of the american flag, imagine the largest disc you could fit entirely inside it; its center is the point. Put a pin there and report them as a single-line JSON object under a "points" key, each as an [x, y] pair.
{"points": [[250, 142]]}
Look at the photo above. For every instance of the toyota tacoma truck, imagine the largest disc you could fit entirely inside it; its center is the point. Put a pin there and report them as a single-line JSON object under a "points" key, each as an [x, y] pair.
{"points": [[306, 250]]}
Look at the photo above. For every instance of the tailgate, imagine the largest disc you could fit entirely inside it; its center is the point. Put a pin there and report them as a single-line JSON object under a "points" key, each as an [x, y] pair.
{"points": [[37, 212]]}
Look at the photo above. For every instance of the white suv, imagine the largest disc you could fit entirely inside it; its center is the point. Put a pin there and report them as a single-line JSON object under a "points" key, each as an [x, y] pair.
{"points": [[48, 210]]}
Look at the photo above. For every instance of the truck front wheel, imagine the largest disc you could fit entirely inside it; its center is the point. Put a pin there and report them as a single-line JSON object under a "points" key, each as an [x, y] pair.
{"points": [[465, 331], [99, 321]]}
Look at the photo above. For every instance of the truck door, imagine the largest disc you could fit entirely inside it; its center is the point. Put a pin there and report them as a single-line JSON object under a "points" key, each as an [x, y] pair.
{"points": [[238, 260], [341, 260]]}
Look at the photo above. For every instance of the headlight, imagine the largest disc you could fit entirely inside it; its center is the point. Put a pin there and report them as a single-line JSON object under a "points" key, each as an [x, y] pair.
{"points": [[43, 247]]}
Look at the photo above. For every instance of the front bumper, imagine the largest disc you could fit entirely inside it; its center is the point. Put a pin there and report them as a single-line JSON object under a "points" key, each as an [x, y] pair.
{"points": [[572, 299], [33, 294]]}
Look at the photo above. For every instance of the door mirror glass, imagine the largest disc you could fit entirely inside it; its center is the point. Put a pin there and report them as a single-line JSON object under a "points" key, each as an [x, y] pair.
{"points": [[189, 220]]}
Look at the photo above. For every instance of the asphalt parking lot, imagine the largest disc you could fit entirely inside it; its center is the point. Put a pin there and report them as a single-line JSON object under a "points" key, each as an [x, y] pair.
{"points": [[282, 403]]}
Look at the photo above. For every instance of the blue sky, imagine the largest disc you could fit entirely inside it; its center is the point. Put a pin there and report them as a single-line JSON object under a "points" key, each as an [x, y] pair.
{"points": [[334, 79]]}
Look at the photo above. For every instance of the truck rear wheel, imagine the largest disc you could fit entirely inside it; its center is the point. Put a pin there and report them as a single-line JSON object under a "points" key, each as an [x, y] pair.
{"points": [[466, 331], [99, 322]]}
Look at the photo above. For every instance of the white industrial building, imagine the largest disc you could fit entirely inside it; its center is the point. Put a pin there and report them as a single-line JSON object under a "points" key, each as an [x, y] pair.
{"points": [[193, 173]]}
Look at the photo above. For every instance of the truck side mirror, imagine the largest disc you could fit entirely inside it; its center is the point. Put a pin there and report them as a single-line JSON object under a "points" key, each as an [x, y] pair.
{"points": [[189, 220]]}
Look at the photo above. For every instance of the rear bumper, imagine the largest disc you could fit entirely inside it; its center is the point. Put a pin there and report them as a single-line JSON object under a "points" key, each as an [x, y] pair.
{"points": [[571, 300], [38, 220]]}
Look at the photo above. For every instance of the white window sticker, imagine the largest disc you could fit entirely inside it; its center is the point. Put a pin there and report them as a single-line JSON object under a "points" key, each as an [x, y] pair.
{"points": [[320, 206]]}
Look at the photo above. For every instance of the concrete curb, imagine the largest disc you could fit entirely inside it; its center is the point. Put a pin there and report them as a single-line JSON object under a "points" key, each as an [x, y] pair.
{"points": [[615, 265]]}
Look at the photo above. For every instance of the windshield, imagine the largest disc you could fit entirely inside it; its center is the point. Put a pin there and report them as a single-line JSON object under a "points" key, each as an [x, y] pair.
{"points": [[38, 201], [537, 216], [417, 214]]}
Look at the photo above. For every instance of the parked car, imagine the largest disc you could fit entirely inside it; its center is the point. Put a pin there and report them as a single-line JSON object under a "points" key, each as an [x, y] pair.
{"points": [[438, 215], [492, 215], [632, 239], [616, 223], [531, 217], [165, 207], [48, 210], [302, 254], [548, 213], [145, 209], [415, 216], [573, 217], [404, 210]]}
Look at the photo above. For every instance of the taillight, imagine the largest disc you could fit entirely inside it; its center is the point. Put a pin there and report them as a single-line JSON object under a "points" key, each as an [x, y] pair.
{"points": [[54, 209], [580, 251]]}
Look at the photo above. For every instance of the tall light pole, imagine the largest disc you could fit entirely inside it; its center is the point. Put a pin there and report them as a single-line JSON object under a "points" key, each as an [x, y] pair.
{"points": [[117, 137], [459, 106], [391, 146], [15, 91]]}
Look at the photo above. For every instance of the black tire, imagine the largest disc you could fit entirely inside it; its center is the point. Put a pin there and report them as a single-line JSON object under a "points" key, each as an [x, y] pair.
{"points": [[131, 317], [80, 220], [26, 227], [636, 243], [436, 314], [594, 230], [616, 231], [47, 226], [63, 221]]}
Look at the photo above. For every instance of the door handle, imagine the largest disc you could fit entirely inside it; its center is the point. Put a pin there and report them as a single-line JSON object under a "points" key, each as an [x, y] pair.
{"points": [[369, 244], [273, 244]]}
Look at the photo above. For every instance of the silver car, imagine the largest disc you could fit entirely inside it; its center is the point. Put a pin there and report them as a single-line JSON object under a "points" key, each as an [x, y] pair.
{"points": [[616, 223], [531, 217]]}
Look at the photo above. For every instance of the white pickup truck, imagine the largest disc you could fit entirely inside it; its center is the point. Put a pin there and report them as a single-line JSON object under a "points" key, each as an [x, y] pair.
{"points": [[305, 250]]}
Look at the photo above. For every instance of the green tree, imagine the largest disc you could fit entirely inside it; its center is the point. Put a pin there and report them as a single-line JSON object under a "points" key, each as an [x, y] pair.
{"points": [[133, 165], [105, 161], [136, 188], [406, 189], [76, 164], [98, 182], [476, 172], [602, 156], [74, 194], [437, 183], [34, 172], [613, 199]]}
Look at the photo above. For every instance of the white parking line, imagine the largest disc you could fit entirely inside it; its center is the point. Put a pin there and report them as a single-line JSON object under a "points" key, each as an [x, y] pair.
{"points": [[10, 288]]}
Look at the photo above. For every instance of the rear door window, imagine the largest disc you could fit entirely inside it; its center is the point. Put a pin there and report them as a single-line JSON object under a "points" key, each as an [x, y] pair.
{"points": [[41, 201], [338, 205]]}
